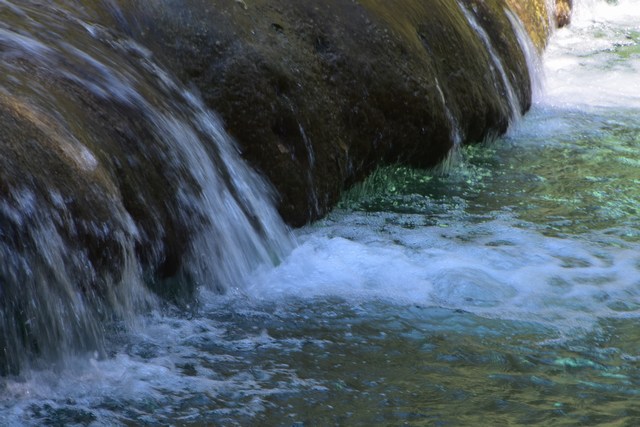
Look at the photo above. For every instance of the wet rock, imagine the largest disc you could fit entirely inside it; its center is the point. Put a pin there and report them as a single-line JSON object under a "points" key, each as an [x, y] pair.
{"points": [[536, 17], [79, 212], [563, 12], [95, 195], [320, 94], [90, 203]]}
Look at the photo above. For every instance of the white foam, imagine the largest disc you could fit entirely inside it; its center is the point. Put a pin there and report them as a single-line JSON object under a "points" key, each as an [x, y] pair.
{"points": [[150, 380], [584, 64], [619, 12], [491, 269]]}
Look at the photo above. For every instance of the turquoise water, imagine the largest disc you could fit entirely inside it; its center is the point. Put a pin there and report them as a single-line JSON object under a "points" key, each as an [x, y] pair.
{"points": [[502, 290]]}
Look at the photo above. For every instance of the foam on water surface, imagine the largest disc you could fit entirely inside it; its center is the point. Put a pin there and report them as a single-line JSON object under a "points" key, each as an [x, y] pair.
{"points": [[595, 61], [492, 269], [507, 267]]}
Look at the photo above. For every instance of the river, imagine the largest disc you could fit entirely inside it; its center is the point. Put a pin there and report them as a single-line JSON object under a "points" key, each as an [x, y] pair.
{"points": [[502, 289]]}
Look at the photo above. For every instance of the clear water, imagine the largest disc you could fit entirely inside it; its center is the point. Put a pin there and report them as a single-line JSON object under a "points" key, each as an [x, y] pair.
{"points": [[502, 292]]}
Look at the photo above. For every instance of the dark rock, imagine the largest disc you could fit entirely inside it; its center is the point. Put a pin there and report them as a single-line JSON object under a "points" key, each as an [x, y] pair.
{"points": [[74, 220], [318, 94], [89, 197]]}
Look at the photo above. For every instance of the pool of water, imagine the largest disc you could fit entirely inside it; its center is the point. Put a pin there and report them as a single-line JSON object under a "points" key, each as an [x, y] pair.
{"points": [[502, 290]]}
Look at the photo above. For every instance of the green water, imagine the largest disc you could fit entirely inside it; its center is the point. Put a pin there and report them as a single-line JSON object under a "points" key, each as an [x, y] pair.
{"points": [[329, 362], [548, 173]]}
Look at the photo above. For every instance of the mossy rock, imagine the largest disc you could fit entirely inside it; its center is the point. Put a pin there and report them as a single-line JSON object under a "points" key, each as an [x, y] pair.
{"points": [[319, 94]]}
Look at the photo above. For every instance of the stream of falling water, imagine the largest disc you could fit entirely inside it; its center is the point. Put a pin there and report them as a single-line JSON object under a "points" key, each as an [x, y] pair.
{"points": [[504, 292]]}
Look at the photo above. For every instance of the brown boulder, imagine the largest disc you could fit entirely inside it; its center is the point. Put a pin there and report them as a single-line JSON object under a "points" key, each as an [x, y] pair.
{"points": [[101, 183], [563, 12]]}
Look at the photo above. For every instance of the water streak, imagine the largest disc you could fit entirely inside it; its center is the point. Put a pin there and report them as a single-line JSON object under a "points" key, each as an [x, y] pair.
{"points": [[532, 56], [502, 293], [500, 78]]}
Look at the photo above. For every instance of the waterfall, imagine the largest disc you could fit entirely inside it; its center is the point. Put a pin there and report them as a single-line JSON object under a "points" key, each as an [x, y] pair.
{"points": [[501, 79], [534, 62], [121, 168], [504, 292], [118, 184]]}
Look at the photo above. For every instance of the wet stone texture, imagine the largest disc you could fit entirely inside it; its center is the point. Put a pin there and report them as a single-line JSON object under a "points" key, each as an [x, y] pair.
{"points": [[536, 18], [563, 12], [318, 94]]}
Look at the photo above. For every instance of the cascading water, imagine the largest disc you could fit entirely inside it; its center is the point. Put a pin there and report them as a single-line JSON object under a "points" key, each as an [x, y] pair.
{"points": [[500, 77], [86, 240], [502, 293], [534, 64]]}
